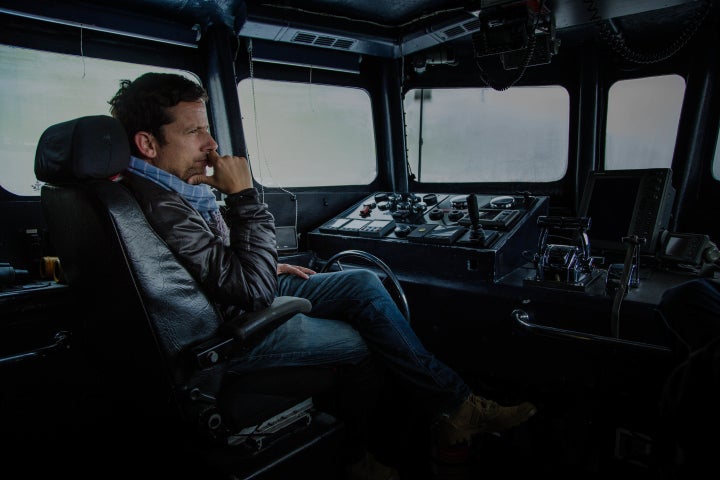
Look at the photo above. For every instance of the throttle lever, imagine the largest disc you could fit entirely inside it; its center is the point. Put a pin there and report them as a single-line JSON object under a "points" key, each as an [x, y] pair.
{"points": [[477, 234]]}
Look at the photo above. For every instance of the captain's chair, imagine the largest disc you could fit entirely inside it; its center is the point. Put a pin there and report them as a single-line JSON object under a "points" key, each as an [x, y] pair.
{"points": [[159, 340]]}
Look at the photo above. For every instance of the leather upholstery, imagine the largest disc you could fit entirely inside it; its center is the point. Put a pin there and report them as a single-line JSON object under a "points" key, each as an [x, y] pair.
{"points": [[82, 148]]}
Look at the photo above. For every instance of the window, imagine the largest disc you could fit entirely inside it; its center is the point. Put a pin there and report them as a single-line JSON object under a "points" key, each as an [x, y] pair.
{"points": [[483, 135], [304, 134], [40, 89], [642, 122]]}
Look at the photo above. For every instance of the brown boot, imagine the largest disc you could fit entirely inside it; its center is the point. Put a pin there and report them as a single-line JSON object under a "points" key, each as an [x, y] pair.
{"points": [[480, 415]]}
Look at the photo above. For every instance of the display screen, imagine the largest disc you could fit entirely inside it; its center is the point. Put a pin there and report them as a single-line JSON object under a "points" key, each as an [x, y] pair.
{"points": [[355, 224], [337, 223], [627, 203], [611, 208], [286, 238], [676, 246], [378, 223]]}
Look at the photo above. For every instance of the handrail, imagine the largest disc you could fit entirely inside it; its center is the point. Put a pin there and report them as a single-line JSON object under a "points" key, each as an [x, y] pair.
{"points": [[61, 341], [522, 320]]}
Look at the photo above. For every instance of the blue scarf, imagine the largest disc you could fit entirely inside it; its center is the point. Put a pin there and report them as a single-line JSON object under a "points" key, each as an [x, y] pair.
{"points": [[200, 196]]}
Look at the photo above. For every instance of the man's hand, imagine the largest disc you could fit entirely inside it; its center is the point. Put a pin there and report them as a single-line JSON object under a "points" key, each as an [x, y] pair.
{"points": [[230, 174], [302, 272]]}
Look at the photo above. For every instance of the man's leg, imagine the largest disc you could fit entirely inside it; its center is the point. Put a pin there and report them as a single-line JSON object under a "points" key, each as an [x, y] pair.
{"points": [[359, 298]]}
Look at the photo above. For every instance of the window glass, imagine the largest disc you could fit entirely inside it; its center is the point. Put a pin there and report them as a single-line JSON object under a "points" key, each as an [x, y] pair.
{"points": [[642, 122], [40, 89], [483, 135], [305, 134]]}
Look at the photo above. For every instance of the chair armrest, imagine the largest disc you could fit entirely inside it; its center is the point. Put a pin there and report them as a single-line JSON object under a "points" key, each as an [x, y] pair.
{"points": [[246, 328], [250, 324]]}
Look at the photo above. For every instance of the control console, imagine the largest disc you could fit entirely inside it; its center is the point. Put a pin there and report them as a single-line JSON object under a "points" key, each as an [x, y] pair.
{"points": [[446, 235]]}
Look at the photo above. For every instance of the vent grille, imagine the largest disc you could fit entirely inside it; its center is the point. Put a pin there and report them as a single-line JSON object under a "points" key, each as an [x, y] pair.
{"points": [[304, 38], [462, 29], [344, 43], [323, 40]]}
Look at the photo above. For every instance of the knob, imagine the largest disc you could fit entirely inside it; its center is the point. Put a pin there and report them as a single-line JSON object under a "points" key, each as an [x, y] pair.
{"points": [[402, 230], [505, 201], [459, 202], [455, 215], [436, 214], [430, 199], [381, 197]]}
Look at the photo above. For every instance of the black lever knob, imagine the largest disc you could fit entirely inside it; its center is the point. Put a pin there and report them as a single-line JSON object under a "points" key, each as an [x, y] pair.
{"points": [[476, 231], [473, 212]]}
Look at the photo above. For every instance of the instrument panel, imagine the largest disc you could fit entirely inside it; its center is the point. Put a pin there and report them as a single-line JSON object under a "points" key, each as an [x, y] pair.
{"points": [[458, 236]]}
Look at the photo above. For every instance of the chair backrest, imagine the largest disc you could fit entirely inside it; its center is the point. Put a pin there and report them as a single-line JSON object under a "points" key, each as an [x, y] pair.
{"points": [[146, 307], [147, 319]]}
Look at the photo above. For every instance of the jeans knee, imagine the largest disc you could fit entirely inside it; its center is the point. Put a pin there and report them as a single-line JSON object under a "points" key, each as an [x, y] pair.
{"points": [[363, 278]]}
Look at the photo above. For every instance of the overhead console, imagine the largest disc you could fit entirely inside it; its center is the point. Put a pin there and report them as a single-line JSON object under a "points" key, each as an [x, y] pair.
{"points": [[448, 236]]}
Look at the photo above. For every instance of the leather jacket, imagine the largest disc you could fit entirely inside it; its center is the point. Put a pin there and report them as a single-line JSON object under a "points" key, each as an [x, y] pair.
{"points": [[239, 277]]}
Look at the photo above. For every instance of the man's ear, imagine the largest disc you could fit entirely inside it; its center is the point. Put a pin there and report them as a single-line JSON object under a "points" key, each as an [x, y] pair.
{"points": [[145, 143]]}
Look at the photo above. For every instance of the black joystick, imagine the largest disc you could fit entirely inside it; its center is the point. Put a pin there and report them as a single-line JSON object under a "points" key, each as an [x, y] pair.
{"points": [[477, 234]]}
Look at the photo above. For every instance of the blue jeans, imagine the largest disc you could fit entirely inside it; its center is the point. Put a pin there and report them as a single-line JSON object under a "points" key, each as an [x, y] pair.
{"points": [[353, 316]]}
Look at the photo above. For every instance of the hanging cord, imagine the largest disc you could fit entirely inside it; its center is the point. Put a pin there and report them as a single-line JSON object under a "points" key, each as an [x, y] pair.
{"points": [[237, 50], [293, 197], [529, 52], [82, 52], [615, 39]]}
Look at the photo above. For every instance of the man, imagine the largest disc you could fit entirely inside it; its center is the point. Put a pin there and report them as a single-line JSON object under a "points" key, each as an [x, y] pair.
{"points": [[234, 259]]}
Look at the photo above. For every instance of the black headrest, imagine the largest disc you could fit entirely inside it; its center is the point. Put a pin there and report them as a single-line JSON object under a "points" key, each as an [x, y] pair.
{"points": [[86, 147]]}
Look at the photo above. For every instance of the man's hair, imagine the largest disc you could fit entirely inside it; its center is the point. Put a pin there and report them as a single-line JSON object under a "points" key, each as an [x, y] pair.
{"points": [[142, 104]]}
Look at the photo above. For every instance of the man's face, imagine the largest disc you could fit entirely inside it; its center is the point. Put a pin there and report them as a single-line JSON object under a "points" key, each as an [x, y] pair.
{"points": [[187, 141]]}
